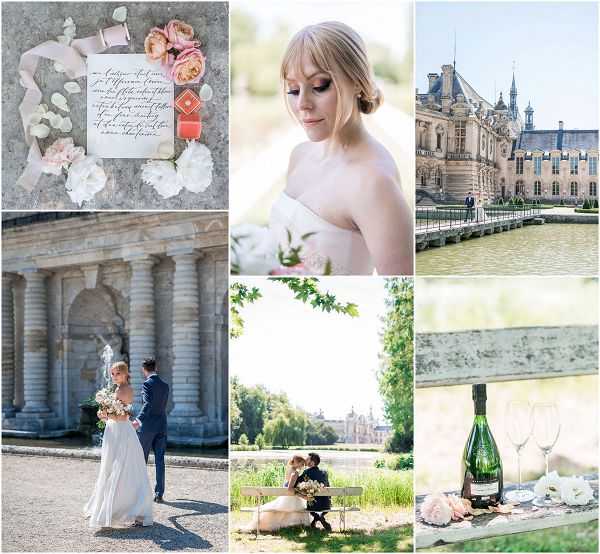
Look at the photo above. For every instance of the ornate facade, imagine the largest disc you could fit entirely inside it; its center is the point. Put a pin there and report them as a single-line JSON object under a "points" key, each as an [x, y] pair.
{"points": [[464, 143], [357, 429], [147, 284]]}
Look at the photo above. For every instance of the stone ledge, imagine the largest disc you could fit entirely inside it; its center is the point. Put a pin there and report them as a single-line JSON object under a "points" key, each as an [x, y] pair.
{"points": [[81, 454]]}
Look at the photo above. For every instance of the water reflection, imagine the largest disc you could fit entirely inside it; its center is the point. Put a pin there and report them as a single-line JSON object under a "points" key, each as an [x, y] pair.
{"points": [[551, 249]]}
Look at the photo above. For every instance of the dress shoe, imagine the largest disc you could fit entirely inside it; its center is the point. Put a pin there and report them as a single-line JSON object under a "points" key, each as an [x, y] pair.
{"points": [[158, 498], [326, 525]]}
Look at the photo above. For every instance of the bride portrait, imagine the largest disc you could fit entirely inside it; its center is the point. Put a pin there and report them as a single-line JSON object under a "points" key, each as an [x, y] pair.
{"points": [[342, 209], [284, 511], [122, 496]]}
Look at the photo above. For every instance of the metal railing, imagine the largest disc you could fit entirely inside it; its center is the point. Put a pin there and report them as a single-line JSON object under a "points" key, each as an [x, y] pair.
{"points": [[455, 217]]}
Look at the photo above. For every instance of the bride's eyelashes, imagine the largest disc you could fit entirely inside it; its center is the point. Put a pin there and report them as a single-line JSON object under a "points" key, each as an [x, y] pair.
{"points": [[317, 88]]}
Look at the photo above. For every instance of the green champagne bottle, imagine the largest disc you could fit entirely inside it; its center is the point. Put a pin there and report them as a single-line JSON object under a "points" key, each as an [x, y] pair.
{"points": [[481, 463]]}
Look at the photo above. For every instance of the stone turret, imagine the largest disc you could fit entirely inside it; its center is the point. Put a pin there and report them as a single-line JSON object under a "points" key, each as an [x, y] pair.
{"points": [[529, 118]]}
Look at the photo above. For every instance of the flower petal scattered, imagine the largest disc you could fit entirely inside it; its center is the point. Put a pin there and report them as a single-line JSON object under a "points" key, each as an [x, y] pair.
{"points": [[39, 130], [59, 101], [59, 67], [120, 14], [72, 87], [67, 125], [206, 92]]}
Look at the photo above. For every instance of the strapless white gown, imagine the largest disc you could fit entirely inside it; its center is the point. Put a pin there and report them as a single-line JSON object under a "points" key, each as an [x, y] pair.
{"points": [[122, 494], [345, 249], [284, 511]]}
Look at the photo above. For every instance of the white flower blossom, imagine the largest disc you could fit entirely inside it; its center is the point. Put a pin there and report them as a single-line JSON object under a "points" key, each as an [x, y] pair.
{"points": [[253, 250], [195, 167], [575, 491], [85, 179], [161, 175], [550, 485]]}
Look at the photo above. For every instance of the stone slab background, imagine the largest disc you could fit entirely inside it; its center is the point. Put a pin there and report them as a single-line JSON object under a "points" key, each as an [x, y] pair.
{"points": [[25, 25]]}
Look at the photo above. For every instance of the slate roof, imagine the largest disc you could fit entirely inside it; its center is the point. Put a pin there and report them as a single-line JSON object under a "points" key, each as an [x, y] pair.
{"points": [[557, 140], [459, 86]]}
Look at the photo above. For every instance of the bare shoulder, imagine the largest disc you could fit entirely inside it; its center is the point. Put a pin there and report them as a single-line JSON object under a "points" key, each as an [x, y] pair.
{"points": [[124, 392], [299, 152]]}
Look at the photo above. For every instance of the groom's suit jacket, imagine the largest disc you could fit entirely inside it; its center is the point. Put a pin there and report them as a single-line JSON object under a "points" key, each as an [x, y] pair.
{"points": [[153, 415], [321, 503]]}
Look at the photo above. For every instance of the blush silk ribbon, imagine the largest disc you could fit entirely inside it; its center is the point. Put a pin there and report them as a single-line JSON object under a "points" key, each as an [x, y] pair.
{"points": [[73, 59]]}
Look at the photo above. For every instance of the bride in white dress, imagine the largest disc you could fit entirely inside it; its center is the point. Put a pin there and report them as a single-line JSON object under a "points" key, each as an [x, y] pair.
{"points": [[284, 511], [122, 496], [342, 185]]}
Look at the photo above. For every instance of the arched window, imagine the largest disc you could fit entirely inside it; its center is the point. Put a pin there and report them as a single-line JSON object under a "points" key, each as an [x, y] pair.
{"points": [[519, 188], [423, 180]]}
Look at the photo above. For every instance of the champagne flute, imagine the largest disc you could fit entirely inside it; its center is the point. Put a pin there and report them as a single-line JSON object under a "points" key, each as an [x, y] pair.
{"points": [[519, 424], [546, 428]]}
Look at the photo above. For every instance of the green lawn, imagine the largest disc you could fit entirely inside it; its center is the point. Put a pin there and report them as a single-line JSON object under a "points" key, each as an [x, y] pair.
{"points": [[582, 537]]}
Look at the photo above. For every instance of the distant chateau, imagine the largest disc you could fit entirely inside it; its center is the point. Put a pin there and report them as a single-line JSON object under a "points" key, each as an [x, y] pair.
{"points": [[357, 429], [464, 143]]}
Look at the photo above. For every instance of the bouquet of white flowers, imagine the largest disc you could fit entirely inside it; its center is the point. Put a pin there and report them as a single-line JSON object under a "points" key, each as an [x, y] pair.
{"points": [[309, 489], [110, 404]]}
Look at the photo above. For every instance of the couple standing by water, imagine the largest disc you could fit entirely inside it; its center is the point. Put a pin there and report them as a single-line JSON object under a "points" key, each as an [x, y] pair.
{"points": [[122, 496], [292, 511], [474, 208]]}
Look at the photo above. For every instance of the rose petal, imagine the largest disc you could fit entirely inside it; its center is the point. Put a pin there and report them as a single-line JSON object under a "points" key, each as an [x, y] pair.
{"points": [[55, 120], [66, 126], [40, 130], [72, 87], [35, 119], [59, 101], [206, 92], [59, 67], [120, 14]]}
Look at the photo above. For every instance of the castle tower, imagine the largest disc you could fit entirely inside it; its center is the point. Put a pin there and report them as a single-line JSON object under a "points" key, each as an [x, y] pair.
{"points": [[513, 98], [529, 118]]}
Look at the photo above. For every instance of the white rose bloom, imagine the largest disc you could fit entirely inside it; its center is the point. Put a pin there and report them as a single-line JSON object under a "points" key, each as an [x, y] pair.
{"points": [[551, 484], [253, 249], [162, 176], [575, 491], [85, 179], [195, 167]]}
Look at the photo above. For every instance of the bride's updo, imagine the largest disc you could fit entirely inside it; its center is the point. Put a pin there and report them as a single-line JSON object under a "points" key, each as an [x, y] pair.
{"points": [[123, 368], [336, 49], [298, 460]]}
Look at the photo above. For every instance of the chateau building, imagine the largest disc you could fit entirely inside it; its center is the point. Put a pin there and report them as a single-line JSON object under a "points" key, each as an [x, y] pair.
{"points": [[464, 143], [357, 429], [147, 284]]}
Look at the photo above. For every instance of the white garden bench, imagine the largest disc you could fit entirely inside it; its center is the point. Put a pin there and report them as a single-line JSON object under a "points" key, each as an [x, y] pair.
{"points": [[487, 356], [262, 492]]}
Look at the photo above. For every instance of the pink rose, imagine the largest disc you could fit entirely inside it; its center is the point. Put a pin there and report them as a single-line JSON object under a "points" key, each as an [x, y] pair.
{"points": [[460, 506], [188, 67], [180, 35], [436, 509], [156, 45], [60, 155]]}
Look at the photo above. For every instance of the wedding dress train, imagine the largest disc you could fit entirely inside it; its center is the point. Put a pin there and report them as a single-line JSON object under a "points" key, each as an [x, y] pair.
{"points": [[122, 495], [345, 249]]}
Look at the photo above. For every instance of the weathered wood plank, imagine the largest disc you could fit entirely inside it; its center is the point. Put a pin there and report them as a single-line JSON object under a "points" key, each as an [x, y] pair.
{"points": [[283, 491], [486, 356], [493, 525]]}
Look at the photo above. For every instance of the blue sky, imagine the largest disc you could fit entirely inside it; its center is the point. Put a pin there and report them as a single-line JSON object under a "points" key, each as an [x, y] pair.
{"points": [[554, 46]]}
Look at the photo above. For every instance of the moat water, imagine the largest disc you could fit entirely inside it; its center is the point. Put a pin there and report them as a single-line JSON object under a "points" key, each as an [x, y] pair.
{"points": [[550, 249]]}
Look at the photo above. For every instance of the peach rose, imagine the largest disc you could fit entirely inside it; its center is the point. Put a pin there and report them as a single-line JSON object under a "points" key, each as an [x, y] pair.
{"points": [[180, 35], [436, 509], [156, 45], [60, 155], [461, 507], [188, 67]]}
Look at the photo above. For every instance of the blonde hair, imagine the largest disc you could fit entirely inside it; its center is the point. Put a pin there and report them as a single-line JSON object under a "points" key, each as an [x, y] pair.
{"points": [[297, 459], [123, 367], [336, 49]]}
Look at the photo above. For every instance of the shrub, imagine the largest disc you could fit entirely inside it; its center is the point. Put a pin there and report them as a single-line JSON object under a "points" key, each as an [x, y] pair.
{"points": [[586, 204], [562, 202], [243, 440], [379, 464], [596, 203], [402, 461], [260, 441]]}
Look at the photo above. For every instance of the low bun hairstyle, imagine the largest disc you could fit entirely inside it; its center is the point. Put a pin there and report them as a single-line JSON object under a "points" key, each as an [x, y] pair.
{"points": [[337, 49], [122, 367]]}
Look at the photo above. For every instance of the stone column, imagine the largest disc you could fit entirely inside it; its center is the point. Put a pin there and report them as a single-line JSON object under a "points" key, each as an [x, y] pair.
{"points": [[141, 320], [36, 344], [186, 341], [8, 346]]}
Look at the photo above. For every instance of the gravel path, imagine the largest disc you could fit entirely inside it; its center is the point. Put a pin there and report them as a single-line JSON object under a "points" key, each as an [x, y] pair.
{"points": [[43, 498]]}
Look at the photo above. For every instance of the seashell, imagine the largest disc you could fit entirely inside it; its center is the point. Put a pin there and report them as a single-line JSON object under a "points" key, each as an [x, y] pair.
{"points": [[66, 126], [40, 130], [72, 87], [55, 120], [206, 92], [59, 101], [59, 67], [120, 14]]}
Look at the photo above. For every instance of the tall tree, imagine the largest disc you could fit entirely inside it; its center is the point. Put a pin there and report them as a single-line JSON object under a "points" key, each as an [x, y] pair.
{"points": [[396, 370]]}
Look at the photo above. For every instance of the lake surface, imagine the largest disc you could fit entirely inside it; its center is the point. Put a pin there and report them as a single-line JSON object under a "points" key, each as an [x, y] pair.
{"points": [[340, 460], [550, 249]]}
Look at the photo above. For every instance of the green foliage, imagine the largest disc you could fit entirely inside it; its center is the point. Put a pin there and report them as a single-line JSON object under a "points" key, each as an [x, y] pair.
{"points": [[239, 296], [250, 404], [379, 464], [381, 488], [586, 204], [595, 203], [243, 440], [286, 427], [260, 441], [403, 461], [319, 433], [395, 375], [562, 202]]}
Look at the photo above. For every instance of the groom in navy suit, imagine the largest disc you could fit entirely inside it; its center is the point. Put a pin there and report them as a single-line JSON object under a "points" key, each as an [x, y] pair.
{"points": [[151, 422]]}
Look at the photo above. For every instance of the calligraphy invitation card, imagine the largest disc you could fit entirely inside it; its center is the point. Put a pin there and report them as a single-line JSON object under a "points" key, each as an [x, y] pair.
{"points": [[129, 108]]}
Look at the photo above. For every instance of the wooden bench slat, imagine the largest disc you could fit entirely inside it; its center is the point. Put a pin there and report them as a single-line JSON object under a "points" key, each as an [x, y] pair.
{"points": [[494, 524], [282, 491], [336, 509], [491, 355]]}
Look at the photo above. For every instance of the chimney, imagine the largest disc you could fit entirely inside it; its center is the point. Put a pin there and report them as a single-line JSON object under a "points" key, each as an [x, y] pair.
{"points": [[447, 82], [561, 125], [432, 79]]}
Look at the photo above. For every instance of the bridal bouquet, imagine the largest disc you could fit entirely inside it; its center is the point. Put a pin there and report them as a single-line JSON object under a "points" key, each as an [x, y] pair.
{"points": [[175, 48], [110, 404], [309, 489]]}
